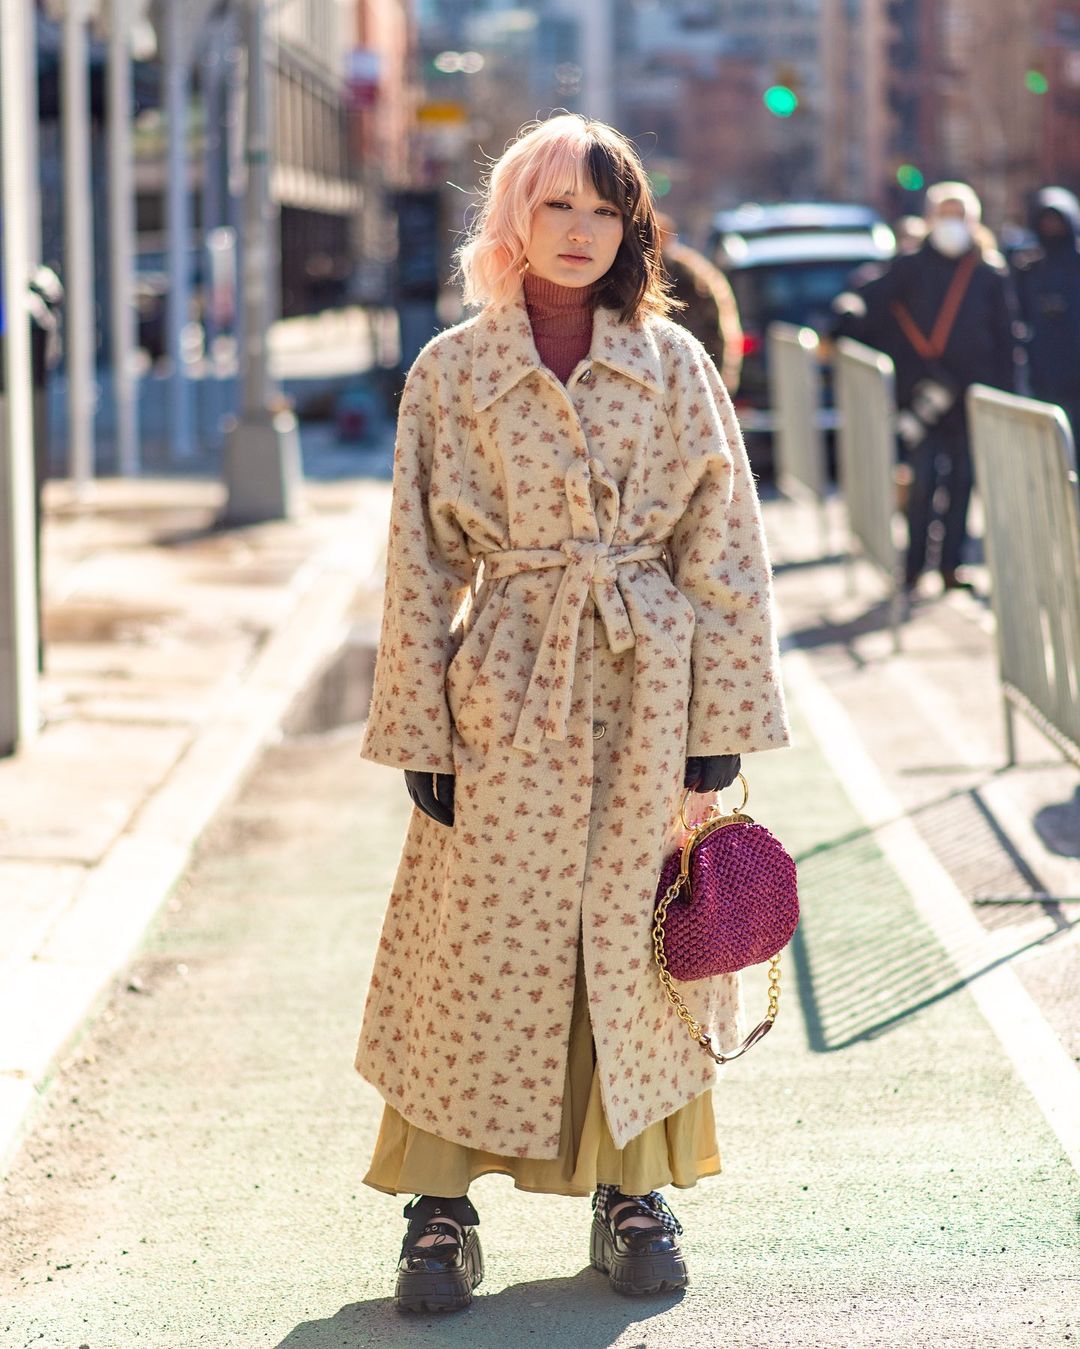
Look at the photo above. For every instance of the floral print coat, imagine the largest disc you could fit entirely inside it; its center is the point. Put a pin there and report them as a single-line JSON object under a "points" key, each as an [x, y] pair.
{"points": [[578, 597]]}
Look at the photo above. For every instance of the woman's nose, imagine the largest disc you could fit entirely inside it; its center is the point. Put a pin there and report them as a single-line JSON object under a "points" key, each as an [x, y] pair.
{"points": [[581, 229]]}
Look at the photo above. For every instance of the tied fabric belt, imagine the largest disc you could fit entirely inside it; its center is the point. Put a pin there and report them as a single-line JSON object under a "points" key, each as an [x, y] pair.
{"points": [[590, 569]]}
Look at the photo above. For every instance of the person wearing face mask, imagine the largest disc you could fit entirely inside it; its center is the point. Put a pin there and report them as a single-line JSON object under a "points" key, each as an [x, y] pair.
{"points": [[943, 312], [1048, 296]]}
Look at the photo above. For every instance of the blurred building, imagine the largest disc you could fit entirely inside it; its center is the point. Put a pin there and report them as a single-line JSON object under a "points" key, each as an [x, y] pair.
{"points": [[313, 177], [983, 90], [1060, 56], [314, 180], [990, 120], [857, 62], [384, 94], [726, 95], [689, 93], [786, 37]]}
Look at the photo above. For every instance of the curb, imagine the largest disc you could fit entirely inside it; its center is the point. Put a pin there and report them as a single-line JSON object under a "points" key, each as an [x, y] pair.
{"points": [[45, 1001]]}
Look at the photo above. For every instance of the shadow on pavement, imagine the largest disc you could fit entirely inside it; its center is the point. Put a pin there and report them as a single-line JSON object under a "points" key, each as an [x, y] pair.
{"points": [[865, 963], [1059, 827], [830, 632], [580, 1311], [874, 996], [809, 563]]}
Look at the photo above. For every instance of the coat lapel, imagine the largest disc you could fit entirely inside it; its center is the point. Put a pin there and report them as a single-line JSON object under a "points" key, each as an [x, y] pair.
{"points": [[504, 351], [630, 348]]}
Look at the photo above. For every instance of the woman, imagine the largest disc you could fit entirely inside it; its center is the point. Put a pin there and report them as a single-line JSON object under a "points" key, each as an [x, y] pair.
{"points": [[577, 622]]}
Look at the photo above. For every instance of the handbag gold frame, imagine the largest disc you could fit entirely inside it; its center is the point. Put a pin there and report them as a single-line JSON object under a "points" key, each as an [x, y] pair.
{"points": [[709, 825]]}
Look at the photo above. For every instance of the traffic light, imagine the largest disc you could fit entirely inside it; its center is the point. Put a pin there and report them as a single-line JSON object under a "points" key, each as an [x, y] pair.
{"points": [[781, 100], [782, 96]]}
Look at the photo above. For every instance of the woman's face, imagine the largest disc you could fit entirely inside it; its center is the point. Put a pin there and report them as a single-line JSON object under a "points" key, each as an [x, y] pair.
{"points": [[575, 237]]}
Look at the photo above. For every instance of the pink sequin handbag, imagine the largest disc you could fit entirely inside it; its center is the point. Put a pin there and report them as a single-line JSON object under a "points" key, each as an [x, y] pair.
{"points": [[727, 899]]}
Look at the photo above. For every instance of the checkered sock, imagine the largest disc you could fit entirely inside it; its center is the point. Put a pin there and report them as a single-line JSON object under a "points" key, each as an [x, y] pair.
{"points": [[607, 1196]]}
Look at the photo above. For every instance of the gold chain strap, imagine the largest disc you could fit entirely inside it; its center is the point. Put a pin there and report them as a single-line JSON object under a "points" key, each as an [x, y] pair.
{"points": [[671, 992]]}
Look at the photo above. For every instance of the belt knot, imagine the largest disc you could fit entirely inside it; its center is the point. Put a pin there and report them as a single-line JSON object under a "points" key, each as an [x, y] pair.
{"points": [[589, 570]]}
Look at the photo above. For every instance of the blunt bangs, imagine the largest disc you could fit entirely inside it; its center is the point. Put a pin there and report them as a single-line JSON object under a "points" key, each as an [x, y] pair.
{"points": [[546, 160]]}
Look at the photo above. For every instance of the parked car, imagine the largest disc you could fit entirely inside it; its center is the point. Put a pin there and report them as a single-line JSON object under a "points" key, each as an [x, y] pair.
{"points": [[792, 278], [732, 230]]}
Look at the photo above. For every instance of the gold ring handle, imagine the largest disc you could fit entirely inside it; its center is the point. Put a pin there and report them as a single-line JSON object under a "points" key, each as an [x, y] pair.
{"points": [[738, 809]]}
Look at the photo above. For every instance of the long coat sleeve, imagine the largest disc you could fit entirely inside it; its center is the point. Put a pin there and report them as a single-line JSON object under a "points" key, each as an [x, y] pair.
{"points": [[720, 563], [427, 577]]}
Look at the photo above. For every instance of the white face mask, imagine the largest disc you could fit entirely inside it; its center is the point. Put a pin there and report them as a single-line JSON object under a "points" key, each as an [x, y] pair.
{"points": [[951, 237]]}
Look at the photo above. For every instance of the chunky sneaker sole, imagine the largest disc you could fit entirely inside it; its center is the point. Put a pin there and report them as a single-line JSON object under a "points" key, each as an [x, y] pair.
{"points": [[445, 1290], [635, 1275]]}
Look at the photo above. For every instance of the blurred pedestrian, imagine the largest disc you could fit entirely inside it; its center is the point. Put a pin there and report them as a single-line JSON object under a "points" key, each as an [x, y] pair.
{"points": [[910, 233], [705, 302], [1048, 295], [943, 313], [578, 627]]}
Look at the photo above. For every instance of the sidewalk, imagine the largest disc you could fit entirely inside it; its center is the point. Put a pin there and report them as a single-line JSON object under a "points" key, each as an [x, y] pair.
{"points": [[900, 1156], [173, 651]]}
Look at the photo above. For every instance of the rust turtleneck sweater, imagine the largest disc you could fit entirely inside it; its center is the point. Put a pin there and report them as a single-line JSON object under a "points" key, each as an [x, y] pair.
{"points": [[561, 318]]}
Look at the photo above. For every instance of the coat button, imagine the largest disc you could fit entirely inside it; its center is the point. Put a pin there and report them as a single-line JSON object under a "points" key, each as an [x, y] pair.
{"points": [[599, 729], [586, 375]]}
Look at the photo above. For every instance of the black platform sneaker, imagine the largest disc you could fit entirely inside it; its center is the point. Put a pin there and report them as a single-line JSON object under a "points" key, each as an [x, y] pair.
{"points": [[636, 1259], [439, 1276]]}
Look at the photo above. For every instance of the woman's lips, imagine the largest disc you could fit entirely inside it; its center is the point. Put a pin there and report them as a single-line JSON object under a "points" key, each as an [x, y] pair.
{"points": [[574, 257]]}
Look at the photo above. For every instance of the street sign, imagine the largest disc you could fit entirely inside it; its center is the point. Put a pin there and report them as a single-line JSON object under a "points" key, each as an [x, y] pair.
{"points": [[362, 77], [442, 114]]}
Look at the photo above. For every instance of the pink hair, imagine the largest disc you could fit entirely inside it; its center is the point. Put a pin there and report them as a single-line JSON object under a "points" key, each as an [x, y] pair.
{"points": [[547, 159]]}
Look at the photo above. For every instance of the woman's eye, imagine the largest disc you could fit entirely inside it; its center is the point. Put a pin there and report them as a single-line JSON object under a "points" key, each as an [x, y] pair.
{"points": [[559, 205], [607, 210]]}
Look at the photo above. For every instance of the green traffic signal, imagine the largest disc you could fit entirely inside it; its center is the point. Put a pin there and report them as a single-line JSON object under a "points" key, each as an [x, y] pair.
{"points": [[780, 100]]}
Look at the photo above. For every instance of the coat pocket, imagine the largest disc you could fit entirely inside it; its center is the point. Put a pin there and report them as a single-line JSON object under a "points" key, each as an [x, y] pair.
{"points": [[468, 661]]}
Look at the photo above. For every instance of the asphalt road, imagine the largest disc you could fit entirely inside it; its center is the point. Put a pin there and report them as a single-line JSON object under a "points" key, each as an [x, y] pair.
{"points": [[192, 1176]]}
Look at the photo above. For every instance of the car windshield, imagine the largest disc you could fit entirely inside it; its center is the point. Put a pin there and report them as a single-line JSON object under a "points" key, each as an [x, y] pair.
{"points": [[794, 293]]}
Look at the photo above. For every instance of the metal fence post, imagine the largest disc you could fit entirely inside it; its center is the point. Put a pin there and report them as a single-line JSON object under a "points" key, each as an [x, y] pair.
{"points": [[867, 445], [795, 395], [1025, 470]]}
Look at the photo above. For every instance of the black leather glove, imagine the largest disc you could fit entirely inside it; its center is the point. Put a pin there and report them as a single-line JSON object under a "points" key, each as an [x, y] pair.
{"points": [[433, 793], [712, 772]]}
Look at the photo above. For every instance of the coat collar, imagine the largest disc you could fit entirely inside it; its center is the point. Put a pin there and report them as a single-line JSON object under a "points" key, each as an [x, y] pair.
{"points": [[504, 351]]}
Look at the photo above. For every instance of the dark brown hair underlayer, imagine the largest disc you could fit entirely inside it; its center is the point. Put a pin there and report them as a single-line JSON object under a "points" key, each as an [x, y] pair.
{"points": [[635, 283]]}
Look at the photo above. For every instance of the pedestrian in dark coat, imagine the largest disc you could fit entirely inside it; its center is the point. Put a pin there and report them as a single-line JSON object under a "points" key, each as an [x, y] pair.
{"points": [[943, 313], [1048, 297], [706, 304]]}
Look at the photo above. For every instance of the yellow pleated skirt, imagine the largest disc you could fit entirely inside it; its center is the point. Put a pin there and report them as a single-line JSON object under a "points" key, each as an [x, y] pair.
{"points": [[678, 1151]]}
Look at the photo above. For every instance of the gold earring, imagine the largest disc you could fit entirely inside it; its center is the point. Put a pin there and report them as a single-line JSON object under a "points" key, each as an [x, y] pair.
{"points": [[525, 266]]}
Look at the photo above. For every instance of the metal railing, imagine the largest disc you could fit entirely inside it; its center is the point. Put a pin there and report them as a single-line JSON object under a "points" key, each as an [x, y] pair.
{"points": [[867, 455], [1025, 469], [795, 395]]}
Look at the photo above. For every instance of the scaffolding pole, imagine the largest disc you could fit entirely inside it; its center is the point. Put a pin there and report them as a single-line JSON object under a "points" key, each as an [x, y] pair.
{"points": [[122, 237], [79, 323], [176, 82], [262, 459], [18, 598]]}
